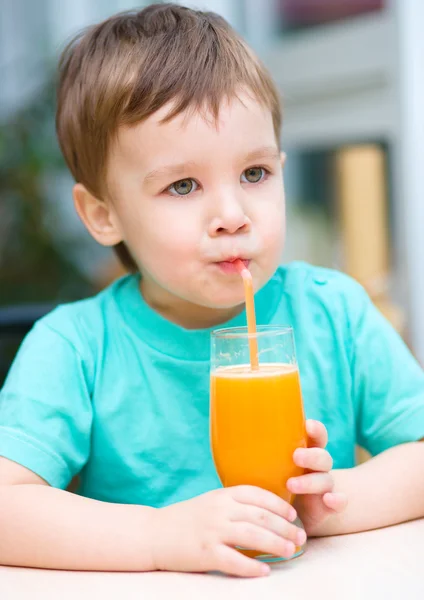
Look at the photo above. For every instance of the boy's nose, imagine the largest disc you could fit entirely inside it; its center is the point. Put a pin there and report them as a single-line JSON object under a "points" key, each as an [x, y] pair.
{"points": [[230, 219]]}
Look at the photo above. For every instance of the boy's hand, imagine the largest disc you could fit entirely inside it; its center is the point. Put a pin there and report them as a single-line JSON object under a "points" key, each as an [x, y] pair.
{"points": [[315, 499], [201, 534]]}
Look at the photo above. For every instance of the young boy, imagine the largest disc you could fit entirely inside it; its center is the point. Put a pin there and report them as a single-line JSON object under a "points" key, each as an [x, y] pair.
{"points": [[170, 126]]}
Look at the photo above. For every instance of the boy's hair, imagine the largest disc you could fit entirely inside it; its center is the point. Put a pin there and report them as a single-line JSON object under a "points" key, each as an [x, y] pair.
{"points": [[124, 69]]}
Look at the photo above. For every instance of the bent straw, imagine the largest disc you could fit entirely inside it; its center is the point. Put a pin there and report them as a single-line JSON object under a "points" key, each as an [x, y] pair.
{"points": [[250, 313]]}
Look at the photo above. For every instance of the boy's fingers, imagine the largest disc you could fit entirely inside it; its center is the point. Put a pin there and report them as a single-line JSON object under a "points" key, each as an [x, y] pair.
{"points": [[312, 483], [232, 562], [246, 535], [315, 459], [255, 496], [272, 522], [335, 501], [317, 434]]}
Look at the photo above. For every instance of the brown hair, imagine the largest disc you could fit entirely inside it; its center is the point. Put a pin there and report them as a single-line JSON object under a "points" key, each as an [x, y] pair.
{"points": [[124, 69]]}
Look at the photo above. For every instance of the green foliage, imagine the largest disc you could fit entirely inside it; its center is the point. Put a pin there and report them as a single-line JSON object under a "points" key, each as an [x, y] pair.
{"points": [[34, 265]]}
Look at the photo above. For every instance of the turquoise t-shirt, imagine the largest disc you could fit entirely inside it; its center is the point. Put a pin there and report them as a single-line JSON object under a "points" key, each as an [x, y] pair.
{"points": [[109, 389]]}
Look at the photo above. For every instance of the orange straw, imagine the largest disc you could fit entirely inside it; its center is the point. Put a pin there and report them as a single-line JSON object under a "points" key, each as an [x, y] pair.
{"points": [[250, 312]]}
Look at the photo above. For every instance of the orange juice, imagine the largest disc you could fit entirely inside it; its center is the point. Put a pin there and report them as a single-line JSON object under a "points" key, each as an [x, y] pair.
{"points": [[257, 422]]}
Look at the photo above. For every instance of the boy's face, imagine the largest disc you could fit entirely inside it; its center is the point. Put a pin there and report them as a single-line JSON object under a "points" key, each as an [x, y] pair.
{"points": [[189, 196]]}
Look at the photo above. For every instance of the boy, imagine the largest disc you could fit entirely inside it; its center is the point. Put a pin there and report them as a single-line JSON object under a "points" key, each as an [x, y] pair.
{"points": [[170, 126]]}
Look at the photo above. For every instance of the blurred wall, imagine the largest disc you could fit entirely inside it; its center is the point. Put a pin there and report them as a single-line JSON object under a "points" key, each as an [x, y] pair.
{"points": [[348, 78]]}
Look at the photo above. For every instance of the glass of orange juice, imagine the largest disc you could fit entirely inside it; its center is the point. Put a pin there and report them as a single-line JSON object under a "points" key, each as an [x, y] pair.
{"points": [[257, 417]]}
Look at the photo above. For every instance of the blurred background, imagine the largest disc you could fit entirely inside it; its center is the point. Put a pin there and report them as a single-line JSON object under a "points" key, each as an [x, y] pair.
{"points": [[351, 74]]}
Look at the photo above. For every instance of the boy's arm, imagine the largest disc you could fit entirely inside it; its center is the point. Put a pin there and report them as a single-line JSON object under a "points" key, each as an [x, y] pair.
{"points": [[46, 527], [50, 528], [385, 490], [387, 395]]}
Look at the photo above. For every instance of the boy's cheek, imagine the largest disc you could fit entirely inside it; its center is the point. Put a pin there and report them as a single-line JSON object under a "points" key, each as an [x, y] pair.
{"points": [[273, 236]]}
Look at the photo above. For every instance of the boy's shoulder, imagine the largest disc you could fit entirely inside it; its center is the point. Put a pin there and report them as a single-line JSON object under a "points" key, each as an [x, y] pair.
{"points": [[303, 274], [333, 290]]}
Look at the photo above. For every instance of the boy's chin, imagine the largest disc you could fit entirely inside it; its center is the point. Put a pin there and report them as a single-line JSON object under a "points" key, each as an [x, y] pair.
{"points": [[227, 302]]}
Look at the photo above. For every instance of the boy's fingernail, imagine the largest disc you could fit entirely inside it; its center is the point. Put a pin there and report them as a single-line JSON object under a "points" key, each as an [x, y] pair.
{"points": [[299, 456], [292, 515], [300, 537], [294, 485], [291, 548], [312, 428]]}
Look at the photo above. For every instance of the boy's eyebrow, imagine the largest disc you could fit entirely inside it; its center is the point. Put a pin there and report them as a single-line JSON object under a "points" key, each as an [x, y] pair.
{"points": [[175, 170], [263, 152], [182, 168]]}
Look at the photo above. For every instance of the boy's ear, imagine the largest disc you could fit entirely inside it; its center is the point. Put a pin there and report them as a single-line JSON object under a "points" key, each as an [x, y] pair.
{"points": [[97, 215], [283, 157]]}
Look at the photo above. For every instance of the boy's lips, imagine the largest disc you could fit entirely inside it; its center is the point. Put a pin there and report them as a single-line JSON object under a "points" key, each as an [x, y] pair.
{"points": [[228, 266]]}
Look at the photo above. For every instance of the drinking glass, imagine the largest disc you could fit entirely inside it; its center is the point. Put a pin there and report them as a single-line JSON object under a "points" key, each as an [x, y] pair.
{"points": [[257, 416]]}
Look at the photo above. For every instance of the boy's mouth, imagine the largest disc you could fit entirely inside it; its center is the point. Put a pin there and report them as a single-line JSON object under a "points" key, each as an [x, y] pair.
{"points": [[228, 266]]}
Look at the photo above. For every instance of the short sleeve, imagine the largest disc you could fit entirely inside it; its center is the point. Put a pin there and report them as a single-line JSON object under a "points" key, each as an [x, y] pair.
{"points": [[45, 407], [388, 383]]}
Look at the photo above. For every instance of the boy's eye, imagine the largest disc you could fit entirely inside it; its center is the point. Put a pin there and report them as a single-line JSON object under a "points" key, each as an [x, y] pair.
{"points": [[183, 187], [253, 175]]}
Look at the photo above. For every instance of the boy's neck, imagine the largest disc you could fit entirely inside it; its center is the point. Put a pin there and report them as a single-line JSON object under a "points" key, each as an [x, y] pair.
{"points": [[184, 313]]}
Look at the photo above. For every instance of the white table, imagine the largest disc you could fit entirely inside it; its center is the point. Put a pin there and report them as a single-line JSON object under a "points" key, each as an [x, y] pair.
{"points": [[382, 565]]}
